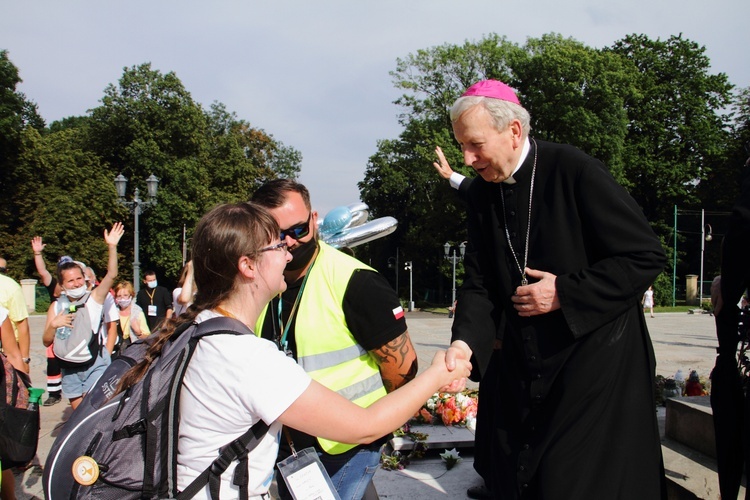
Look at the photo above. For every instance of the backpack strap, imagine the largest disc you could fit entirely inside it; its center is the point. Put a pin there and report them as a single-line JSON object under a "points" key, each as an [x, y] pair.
{"points": [[230, 452], [237, 449]]}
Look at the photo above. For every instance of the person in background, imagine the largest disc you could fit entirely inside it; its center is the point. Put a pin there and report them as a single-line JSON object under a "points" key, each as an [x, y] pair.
{"points": [[648, 300], [54, 377], [234, 381], [155, 300], [10, 349], [557, 260], [729, 401], [11, 298], [132, 324], [76, 381], [366, 351]]}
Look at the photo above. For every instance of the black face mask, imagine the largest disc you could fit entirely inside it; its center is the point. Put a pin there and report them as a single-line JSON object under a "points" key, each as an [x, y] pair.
{"points": [[302, 255]]}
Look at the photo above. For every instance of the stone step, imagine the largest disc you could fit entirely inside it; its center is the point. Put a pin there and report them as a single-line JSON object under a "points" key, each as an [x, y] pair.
{"points": [[689, 449], [690, 421]]}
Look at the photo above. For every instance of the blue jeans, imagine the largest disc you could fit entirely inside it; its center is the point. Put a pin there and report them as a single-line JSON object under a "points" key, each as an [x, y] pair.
{"points": [[353, 477]]}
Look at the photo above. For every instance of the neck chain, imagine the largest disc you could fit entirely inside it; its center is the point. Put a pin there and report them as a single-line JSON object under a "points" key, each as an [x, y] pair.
{"points": [[522, 270]]}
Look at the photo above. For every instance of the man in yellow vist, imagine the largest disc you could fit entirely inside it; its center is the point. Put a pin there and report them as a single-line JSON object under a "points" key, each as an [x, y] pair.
{"points": [[344, 325]]}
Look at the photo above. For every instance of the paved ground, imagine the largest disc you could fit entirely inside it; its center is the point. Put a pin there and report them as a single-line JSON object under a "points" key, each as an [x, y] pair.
{"points": [[681, 340]]}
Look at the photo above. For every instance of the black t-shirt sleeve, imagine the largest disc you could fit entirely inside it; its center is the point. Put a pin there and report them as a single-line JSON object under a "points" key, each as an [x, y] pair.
{"points": [[51, 289], [372, 310]]}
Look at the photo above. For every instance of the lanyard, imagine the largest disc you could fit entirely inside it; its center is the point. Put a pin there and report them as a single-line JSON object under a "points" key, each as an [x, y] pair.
{"points": [[151, 296], [282, 342]]}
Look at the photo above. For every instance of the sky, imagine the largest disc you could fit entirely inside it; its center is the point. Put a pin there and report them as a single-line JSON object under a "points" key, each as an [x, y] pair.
{"points": [[315, 74]]}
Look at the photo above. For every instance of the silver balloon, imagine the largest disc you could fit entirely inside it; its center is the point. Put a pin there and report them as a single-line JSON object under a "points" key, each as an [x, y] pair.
{"points": [[360, 213], [363, 233]]}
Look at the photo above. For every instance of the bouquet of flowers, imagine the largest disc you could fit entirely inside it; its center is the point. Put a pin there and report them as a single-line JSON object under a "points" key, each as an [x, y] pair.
{"points": [[450, 409]]}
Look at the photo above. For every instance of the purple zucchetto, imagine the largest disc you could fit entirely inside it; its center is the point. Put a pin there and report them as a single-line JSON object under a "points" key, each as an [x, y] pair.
{"points": [[494, 89]]}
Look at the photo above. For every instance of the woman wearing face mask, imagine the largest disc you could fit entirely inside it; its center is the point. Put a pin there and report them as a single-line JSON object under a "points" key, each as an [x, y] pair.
{"points": [[133, 324], [77, 380]]}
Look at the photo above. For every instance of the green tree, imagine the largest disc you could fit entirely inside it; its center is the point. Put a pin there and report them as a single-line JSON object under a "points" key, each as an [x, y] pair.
{"points": [[64, 195], [576, 95], [676, 127], [17, 113], [149, 124]]}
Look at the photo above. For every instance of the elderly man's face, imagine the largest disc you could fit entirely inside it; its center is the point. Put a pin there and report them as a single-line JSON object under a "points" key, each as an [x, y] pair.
{"points": [[493, 154]]}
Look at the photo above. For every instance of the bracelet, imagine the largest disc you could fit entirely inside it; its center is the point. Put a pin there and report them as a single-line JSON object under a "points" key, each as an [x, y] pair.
{"points": [[37, 253], [26, 360]]}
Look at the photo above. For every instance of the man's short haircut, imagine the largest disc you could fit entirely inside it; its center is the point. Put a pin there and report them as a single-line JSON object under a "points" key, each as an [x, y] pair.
{"points": [[502, 112], [272, 194], [149, 272]]}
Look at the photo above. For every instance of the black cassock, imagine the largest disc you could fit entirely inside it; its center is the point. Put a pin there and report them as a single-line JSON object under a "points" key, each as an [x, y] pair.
{"points": [[574, 412]]}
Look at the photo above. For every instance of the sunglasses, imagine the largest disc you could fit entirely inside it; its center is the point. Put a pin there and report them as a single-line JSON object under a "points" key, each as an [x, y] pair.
{"points": [[298, 230]]}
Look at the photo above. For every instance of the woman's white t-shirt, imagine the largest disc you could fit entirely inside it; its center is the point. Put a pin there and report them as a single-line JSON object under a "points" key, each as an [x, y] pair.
{"points": [[232, 382]]}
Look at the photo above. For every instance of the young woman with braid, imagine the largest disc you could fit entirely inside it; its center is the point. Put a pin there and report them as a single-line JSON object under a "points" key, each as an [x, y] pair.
{"points": [[233, 381]]}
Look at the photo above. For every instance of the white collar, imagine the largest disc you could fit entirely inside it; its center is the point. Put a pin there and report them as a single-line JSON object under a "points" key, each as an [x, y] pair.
{"points": [[524, 154]]}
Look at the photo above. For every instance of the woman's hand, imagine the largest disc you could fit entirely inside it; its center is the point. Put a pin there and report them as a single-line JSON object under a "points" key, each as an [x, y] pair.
{"points": [[36, 244], [113, 236], [446, 377], [62, 319]]}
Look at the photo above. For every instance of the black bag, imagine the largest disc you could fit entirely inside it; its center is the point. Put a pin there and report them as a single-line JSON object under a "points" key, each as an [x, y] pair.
{"points": [[125, 446], [19, 427]]}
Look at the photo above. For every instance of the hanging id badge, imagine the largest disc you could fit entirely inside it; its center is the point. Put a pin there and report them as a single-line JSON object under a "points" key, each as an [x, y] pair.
{"points": [[152, 310], [306, 477]]}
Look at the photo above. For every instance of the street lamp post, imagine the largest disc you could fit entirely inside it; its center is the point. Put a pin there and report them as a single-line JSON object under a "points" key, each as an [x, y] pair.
{"points": [[454, 258], [408, 267], [137, 205], [706, 235]]}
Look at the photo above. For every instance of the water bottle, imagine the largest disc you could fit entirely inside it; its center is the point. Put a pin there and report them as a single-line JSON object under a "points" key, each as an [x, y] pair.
{"points": [[35, 395], [64, 332]]}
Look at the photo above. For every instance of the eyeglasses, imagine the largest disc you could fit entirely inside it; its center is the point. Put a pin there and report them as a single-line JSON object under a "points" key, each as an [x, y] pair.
{"points": [[298, 230], [278, 246]]}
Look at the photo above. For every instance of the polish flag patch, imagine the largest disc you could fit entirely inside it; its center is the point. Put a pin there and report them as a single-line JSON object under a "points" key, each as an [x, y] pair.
{"points": [[398, 313]]}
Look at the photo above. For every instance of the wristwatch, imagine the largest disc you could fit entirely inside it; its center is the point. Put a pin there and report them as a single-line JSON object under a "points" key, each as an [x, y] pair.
{"points": [[27, 360]]}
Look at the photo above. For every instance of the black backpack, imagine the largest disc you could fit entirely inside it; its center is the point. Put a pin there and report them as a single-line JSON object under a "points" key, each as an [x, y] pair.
{"points": [[125, 446]]}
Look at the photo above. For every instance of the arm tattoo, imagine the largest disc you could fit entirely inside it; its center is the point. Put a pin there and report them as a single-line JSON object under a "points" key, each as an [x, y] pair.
{"points": [[393, 358]]}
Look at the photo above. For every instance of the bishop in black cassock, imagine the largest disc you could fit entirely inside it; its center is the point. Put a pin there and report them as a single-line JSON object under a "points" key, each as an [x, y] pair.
{"points": [[574, 411]]}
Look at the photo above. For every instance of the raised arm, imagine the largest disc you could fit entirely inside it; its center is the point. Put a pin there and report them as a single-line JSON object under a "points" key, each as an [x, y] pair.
{"points": [[111, 238], [322, 412], [41, 268], [188, 287]]}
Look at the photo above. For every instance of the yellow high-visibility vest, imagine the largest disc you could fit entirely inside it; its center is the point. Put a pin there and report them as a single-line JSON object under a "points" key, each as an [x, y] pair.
{"points": [[326, 349]]}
